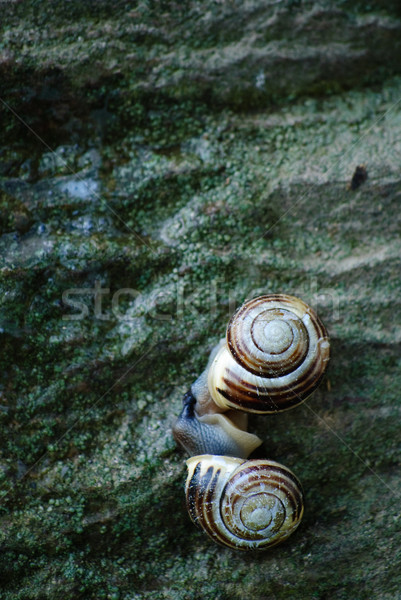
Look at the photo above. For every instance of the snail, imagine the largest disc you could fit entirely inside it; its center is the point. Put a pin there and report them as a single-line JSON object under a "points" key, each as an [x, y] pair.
{"points": [[273, 357], [243, 504]]}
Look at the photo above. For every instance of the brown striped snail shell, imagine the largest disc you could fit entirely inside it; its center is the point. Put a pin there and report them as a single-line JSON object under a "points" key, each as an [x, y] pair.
{"points": [[274, 356], [243, 504]]}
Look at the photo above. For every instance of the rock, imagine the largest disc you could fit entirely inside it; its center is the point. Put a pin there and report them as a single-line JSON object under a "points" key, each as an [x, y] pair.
{"points": [[162, 164]]}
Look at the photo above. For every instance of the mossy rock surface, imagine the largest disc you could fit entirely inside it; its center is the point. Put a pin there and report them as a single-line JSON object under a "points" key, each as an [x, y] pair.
{"points": [[159, 164]]}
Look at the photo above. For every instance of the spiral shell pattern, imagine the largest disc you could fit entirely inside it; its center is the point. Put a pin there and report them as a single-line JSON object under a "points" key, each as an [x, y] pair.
{"points": [[275, 355], [243, 504]]}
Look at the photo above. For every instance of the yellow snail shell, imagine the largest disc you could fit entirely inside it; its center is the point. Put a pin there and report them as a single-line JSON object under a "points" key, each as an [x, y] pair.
{"points": [[274, 356], [243, 504]]}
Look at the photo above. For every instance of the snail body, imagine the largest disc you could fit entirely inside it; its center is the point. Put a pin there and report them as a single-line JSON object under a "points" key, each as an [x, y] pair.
{"points": [[243, 504], [214, 432]]}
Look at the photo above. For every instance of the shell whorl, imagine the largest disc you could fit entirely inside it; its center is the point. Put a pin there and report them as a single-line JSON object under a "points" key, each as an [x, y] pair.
{"points": [[275, 355], [243, 504]]}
